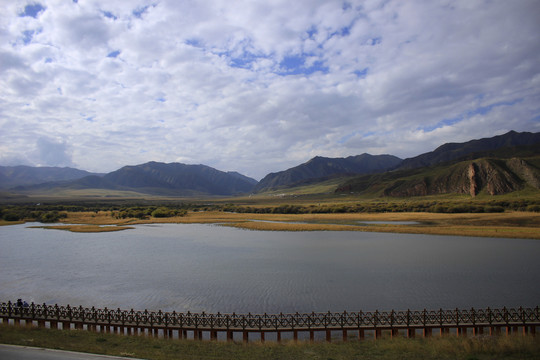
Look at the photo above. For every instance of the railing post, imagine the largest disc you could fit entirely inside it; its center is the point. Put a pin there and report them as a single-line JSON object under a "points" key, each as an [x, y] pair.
{"points": [[359, 324], [535, 320], [295, 323], [343, 330], [30, 322], [508, 327], [393, 332], [411, 331], [79, 323], [66, 325], [14, 311], [426, 332], [492, 330], [326, 323], [443, 329], [230, 335], [523, 320], [311, 323], [377, 331], [9, 309], [54, 323], [473, 315], [213, 332], [109, 320], [260, 324], [245, 335]]}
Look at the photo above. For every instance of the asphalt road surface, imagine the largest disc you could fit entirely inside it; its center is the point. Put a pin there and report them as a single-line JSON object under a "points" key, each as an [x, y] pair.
{"points": [[14, 352]]}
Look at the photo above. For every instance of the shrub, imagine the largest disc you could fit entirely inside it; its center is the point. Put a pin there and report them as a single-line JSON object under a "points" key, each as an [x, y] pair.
{"points": [[162, 212], [51, 216], [11, 216]]}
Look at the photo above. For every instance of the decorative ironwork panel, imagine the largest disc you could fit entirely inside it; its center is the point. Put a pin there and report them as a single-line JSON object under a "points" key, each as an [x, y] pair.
{"points": [[276, 322]]}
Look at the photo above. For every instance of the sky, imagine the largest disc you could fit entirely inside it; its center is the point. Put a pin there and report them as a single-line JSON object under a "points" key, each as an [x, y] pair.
{"points": [[260, 86]]}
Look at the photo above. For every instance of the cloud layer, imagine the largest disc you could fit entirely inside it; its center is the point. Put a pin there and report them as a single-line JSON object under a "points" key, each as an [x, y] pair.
{"points": [[259, 86]]}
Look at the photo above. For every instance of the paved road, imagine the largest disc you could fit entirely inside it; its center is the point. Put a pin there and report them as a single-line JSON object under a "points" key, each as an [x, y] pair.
{"points": [[14, 352]]}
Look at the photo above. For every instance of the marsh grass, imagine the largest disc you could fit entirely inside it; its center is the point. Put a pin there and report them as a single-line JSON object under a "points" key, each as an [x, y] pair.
{"points": [[507, 224], [5, 223], [451, 347]]}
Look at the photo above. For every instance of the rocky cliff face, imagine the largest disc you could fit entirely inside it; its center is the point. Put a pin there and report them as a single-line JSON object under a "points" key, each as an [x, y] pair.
{"points": [[491, 176], [494, 178], [525, 171]]}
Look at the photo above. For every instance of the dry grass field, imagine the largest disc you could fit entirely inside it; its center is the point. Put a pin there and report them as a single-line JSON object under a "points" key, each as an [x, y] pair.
{"points": [[448, 347]]}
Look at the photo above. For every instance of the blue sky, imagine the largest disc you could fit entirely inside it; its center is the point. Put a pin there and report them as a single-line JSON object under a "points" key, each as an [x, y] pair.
{"points": [[260, 86]]}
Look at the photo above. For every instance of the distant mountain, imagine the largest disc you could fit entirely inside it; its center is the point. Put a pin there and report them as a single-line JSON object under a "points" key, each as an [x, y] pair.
{"points": [[486, 175], [155, 177], [172, 179], [322, 168], [453, 151], [243, 177], [494, 165], [11, 176]]}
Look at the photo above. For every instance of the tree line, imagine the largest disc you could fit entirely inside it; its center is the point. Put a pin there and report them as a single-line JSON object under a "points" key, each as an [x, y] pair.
{"points": [[48, 213]]}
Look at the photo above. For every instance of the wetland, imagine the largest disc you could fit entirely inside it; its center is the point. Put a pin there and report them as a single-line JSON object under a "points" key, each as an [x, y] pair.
{"points": [[210, 267]]}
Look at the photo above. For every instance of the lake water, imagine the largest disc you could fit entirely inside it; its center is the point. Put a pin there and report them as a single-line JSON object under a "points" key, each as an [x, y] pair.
{"points": [[214, 268]]}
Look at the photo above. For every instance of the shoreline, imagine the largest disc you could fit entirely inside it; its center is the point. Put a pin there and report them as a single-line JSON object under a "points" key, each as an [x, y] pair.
{"points": [[523, 225]]}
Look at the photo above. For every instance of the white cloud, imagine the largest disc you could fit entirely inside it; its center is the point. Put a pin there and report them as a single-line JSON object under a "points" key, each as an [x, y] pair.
{"points": [[51, 152], [110, 83]]}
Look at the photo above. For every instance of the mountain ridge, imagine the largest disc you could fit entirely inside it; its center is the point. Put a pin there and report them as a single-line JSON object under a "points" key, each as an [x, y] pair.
{"points": [[453, 151], [323, 167], [173, 179], [21, 175], [491, 176], [493, 165]]}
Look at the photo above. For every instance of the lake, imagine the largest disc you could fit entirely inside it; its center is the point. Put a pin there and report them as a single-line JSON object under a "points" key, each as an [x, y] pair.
{"points": [[215, 268]]}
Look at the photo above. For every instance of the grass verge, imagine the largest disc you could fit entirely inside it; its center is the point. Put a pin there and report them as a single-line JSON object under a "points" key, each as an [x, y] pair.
{"points": [[451, 347]]}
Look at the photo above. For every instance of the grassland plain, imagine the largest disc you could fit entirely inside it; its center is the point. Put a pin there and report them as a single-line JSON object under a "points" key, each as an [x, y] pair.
{"points": [[449, 347], [510, 224]]}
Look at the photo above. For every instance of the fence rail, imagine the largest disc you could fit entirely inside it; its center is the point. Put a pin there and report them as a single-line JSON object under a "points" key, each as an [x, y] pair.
{"points": [[169, 323]]}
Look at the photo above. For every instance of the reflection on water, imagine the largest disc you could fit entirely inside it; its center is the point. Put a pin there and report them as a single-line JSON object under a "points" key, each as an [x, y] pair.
{"points": [[213, 268]]}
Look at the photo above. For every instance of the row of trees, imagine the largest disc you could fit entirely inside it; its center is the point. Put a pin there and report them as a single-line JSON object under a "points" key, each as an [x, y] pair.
{"points": [[18, 214], [55, 212], [378, 207], [147, 212]]}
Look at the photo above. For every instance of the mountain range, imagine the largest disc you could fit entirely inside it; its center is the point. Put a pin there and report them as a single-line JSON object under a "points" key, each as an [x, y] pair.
{"points": [[493, 176], [156, 178], [494, 165], [11, 176], [452, 151], [322, 167]]}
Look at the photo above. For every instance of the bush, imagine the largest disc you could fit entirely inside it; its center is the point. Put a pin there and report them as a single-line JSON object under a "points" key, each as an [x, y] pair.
{"points": [[51, 216], [162, 212], [494, 209], [12, 216]]}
